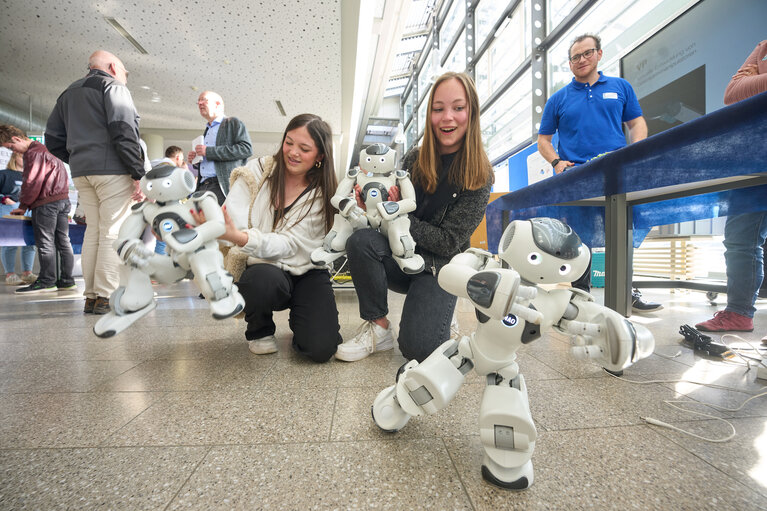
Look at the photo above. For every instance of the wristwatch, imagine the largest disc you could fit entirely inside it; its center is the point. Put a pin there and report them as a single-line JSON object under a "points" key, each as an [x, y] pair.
{"points": [[555, 161]]}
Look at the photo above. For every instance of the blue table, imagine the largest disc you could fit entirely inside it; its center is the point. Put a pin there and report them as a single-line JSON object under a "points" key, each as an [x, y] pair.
{"points": [[709, 167], [16, 233]]}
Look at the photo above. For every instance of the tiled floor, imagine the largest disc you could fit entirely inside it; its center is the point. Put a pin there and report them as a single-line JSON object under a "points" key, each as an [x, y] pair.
{"points": [[175, 413]]}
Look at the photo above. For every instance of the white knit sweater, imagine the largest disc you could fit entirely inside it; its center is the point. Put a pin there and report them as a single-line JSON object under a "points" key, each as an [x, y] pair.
{"points": [[289, 245]]}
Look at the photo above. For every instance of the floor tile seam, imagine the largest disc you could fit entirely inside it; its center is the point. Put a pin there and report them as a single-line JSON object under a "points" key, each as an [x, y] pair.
{"points": [[101, 447], [333, 415], [188, 478], [160, 399], [258, 444], [458, 474]]}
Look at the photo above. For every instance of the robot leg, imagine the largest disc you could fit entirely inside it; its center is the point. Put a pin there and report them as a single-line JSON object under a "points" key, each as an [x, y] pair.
{"points": [[334, 244], [605, 336], [403, 246], [423, 388], [507, 433], [215, 283], [130, 302]]}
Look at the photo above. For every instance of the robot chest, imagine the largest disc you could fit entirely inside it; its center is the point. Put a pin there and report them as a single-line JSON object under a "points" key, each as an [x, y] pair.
{"points": [[376, 190], [166, 222]]}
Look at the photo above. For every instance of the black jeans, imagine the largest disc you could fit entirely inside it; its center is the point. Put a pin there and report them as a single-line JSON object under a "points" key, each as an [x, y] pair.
{"points": [[211, 185], [51, 228], [313, 312], [428, 309]]}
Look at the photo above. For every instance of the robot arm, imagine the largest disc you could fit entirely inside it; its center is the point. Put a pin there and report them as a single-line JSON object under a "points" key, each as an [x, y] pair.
{"points": [[389, 209], [128, 245], [343, 200], [189, 240]]}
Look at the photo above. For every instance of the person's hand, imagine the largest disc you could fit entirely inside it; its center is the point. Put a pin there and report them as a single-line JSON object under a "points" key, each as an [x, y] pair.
{"points": [[394, 194], [199, 150], [562, 165], [17, 211], [190, 156], [8, 201], [358, 198], [747, 70], [137, 194]]}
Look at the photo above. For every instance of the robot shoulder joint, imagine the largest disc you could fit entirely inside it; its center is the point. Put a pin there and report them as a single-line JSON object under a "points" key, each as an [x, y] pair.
{"points": [[352, 173], [401, 174], [197, 196]]}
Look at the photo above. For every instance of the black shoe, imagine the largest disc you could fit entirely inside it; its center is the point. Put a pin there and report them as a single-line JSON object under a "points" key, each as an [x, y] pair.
{"points": [[89, 303], [35, 288], [63, 285], [639, 305], [101, 306]]}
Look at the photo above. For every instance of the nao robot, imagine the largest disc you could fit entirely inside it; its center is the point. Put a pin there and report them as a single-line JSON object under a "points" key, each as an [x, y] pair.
{"points": [[512, 311], [375, 176], [190, 248]]}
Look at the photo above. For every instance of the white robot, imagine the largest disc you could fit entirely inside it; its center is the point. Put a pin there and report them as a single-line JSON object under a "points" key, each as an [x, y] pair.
{"points": [[190, 248], [375, 176], [512, 311]]}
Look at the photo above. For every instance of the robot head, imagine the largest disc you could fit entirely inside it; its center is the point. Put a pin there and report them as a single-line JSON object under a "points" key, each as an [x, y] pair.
{"points": [[544, 251], [378, 159], [166, 182]]}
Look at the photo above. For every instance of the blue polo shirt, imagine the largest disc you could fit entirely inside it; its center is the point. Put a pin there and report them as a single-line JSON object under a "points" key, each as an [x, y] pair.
{"points": [[589, 118], [207, 167]]}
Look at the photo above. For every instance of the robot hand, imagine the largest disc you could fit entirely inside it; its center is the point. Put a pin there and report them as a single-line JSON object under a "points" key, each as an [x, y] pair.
{"points": [[135, 253], [357, 218], [389, 210]]}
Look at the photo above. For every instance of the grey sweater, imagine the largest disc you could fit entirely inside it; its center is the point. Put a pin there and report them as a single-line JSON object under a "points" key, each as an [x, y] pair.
{"points": [[232, 150], [447, 230]]}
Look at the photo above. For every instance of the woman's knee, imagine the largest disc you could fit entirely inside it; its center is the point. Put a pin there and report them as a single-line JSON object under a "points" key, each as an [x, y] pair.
{"points": [[362, 243], [316, 348]]}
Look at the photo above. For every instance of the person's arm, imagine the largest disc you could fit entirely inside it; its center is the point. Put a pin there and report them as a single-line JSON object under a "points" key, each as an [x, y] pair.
{"points": [[56, 135], [32, 179], [546, 148], [747, 81], [637, 129], [239, 149], [122, 125]]}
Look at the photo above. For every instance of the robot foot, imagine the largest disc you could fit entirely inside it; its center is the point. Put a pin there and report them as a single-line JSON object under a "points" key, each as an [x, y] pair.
{"points": [[387, 413], [410, 265], [227, 307], [320, 256], [518, 478], [111, 323]]}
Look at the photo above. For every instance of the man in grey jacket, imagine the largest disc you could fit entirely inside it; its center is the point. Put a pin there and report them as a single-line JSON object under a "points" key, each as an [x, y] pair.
{"points": [[227, 146], [94, 128]]}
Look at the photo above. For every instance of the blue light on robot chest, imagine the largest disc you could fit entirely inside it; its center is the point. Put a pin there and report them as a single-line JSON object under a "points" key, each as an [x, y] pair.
{"points": [[510, 320], [166, 226], [373, 193]]}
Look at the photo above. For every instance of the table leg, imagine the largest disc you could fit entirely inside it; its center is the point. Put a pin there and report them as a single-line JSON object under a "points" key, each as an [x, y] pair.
{"points": [[618, 254]]}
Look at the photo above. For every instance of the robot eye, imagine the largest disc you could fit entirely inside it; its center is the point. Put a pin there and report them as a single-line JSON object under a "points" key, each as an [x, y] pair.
{"points": [[368, 159], [564, 269], [534, 258], [383, 160], [149, 185], [167, 183]]}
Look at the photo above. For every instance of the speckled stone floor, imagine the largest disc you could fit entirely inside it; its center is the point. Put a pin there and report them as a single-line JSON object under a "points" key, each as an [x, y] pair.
{"points": [[176, 413]]}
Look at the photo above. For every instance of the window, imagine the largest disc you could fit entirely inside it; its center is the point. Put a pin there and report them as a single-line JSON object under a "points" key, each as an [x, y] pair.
{"points": [[508, 121], [557, 10], [453, 21], [457, 59], [407, 107], [486, 14], [426, 76], [510, 47]]}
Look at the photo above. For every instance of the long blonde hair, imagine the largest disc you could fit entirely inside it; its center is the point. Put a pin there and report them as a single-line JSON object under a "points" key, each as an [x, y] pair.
{"points": [[12, 162], [471, 168]]}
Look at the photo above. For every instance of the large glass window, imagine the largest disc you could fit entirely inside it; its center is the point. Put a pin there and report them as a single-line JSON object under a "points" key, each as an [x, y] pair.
{"points": [[426, 75], [410, 136], [407, 107], [457, 59], [422, 114], [508, 121], [557, 10], [486, 15], [510, 47], [618, 23], [449, 28]]}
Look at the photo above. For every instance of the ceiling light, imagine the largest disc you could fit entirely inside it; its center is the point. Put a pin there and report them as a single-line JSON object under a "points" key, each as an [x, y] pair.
{"points": [[121, 30], [279, 107]]}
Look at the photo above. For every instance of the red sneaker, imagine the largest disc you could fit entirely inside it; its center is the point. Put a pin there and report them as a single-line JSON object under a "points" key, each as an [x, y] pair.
{"points": [[727, 321]]}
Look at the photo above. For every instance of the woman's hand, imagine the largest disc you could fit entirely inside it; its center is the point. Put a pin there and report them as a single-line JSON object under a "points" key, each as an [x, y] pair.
{"points": [[394, 194], [232, 233], [358, 198]]}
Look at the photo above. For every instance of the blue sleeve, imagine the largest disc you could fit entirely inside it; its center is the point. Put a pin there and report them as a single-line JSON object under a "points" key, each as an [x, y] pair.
{"points": [[548, 118], [631, 110]]}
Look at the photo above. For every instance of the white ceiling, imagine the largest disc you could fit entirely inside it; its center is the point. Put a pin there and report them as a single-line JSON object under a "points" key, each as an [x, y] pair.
{"points": [[252, 52]]}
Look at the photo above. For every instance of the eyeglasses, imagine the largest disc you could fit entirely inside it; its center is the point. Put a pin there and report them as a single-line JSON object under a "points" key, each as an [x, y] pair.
{"points": [[586, 54]]}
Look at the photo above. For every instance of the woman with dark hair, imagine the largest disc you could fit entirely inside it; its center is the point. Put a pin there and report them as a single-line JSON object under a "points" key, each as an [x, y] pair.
{"points": [[277, 212], [452, 177]]}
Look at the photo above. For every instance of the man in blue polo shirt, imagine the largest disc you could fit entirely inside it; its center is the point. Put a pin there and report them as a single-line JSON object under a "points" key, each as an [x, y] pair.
{"points": [[589, 114]]}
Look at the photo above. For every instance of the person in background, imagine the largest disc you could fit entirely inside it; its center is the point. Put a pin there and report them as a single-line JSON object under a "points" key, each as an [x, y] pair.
{"points": [[227, 145], [95, 128], [44, 191], [10, 189], [277, 212], [744, 235], [452, 178], [589, 114]]}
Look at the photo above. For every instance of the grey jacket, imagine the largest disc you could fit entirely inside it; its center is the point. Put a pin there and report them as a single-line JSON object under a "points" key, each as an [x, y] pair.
{"points": [[447, 231], [232, 150], [94, 128]]}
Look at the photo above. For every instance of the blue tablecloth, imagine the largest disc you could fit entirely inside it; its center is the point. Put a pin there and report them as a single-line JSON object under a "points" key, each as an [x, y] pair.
{"points": [[16, 233]]}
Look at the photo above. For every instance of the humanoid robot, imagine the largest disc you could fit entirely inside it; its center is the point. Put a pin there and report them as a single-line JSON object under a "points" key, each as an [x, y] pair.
{"points": [[512, 311], [375, 176], [190, 248]]}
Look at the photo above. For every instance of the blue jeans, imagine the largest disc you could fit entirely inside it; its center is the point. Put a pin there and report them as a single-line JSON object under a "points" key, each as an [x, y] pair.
{"points": [[744, 236], [428, 309], [8, 254]]}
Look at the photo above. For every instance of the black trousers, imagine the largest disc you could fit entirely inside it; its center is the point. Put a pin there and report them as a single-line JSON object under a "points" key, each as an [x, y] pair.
{"points": [[211, 185], [51, 228], [313, 313]]}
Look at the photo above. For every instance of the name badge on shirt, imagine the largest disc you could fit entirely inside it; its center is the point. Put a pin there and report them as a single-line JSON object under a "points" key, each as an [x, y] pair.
{"points": [[610, 95]]}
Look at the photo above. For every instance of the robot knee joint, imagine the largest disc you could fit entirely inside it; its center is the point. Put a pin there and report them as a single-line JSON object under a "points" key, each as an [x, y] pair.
{"points": [[220, 291]]}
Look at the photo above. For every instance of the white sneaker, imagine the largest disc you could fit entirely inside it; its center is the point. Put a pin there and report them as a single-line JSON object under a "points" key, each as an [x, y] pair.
{"points": [[369, 339], [29, 278], [264, 345], [13, 280]]}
